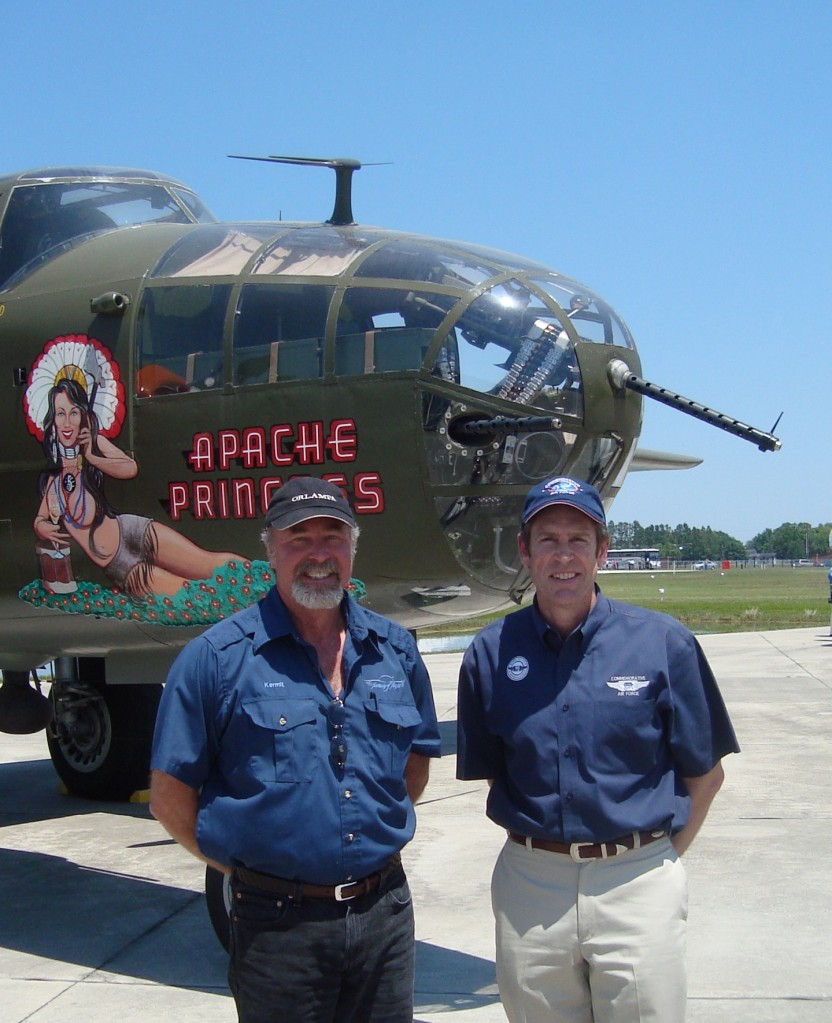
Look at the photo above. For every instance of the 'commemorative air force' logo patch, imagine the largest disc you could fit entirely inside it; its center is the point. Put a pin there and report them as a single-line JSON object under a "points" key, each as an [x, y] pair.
{"points": [[517, 669], [628, 685]]}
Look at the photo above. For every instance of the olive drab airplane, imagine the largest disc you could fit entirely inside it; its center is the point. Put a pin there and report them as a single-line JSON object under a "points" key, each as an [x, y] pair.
{"points": [[166, 372]]}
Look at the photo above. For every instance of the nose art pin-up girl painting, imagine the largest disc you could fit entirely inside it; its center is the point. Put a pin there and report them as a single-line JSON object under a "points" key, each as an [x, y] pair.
{"points": [[74, 404]]}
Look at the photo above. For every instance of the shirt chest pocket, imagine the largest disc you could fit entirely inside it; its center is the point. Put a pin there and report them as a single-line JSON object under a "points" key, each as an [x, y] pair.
{"points": [[626, 735], [283, 739], [392, 724]]}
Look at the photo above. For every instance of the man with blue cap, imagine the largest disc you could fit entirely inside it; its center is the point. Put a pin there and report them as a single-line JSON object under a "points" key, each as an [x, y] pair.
{"points": [[600, 729]]}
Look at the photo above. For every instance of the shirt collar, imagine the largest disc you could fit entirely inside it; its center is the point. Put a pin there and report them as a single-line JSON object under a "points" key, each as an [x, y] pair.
{"points": [[596, 617], [583, 633], [273, 622]]}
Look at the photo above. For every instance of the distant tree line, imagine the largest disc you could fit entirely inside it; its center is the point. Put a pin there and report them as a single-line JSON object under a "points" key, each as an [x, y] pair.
{"points": [[791, 541], [794, 540]]}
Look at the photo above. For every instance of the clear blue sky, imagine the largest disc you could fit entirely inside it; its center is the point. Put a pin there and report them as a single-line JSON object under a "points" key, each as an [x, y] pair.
{"points": [[676, 157]]}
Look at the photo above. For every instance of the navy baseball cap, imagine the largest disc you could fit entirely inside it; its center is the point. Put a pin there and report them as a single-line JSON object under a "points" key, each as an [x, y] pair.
{"points": [[564, 490], [305, 497]]}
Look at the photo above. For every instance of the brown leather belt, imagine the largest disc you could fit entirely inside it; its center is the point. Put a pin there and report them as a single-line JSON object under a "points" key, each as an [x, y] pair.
{"points": [[300, 889], [583, 851]]}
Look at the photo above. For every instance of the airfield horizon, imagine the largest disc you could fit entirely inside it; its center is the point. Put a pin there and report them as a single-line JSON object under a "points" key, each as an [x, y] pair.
{"points": [[739, 599]]}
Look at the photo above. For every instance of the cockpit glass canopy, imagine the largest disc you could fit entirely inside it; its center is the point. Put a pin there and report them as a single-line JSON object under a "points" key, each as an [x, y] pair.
{"points": [[216, 250], [415, 260], [318, 299], [44, 218], [312, 251]]}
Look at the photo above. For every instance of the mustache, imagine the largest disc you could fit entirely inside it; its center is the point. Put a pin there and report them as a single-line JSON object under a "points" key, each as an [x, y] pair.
{"points": [[317, 569]]}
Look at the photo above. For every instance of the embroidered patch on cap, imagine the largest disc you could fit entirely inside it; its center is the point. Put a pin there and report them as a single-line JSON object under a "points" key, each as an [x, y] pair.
{"points": [[564, 490], [561, 485]]}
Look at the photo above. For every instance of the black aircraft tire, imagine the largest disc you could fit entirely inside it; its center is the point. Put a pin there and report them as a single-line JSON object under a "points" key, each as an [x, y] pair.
{"points": [[218, 898], [108, 757]]}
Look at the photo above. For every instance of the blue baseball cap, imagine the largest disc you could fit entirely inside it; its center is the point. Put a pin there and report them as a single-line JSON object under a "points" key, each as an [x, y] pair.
{"points": [[564, 490]]}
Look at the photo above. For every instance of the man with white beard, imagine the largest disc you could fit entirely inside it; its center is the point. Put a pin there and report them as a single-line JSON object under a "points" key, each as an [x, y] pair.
{"points": [[292, 743]]}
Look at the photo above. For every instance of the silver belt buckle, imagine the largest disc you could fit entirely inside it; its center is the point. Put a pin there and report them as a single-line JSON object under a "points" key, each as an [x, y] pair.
{"points": [[574, 852], [339, 891]]}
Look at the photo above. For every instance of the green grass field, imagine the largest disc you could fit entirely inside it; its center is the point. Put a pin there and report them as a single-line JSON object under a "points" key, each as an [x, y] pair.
{"points": [[736, 600]]}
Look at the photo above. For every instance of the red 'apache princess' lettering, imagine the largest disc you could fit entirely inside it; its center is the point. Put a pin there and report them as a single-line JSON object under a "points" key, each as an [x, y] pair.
{"points": [[281, 445]]}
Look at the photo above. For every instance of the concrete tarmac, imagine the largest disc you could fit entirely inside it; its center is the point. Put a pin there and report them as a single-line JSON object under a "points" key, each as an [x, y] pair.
{"points": [[102, 917]]}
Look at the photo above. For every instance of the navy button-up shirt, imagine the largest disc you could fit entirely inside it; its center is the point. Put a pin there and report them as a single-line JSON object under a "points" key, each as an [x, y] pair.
{"points": [[243, 720], [587, 738]]}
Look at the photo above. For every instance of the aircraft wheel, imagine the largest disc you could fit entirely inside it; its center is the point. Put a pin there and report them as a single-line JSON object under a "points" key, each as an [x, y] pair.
{"points": [[218, 897], [100, 737]]}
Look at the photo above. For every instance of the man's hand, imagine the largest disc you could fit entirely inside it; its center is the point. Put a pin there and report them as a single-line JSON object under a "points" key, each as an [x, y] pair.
{"points": [[416, 774], [702, 791], [174, 805]]}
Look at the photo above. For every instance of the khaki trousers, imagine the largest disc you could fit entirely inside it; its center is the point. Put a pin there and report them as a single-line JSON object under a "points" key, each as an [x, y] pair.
{"points": [[599, 942]]}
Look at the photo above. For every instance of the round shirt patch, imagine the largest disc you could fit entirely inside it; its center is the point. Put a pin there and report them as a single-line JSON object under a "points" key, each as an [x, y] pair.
{"points": [[517, 669]]}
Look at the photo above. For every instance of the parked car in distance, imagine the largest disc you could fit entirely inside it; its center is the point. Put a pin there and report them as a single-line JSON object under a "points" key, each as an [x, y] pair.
{"points": [[699, 565]]}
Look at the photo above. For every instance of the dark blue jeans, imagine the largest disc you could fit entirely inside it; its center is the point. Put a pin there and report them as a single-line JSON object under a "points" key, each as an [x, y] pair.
{"points": [[321, 961]]}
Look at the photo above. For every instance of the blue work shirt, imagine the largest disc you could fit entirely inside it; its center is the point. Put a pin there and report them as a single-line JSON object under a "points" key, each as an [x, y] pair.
{"points": [[587, 738], [243, 720]]}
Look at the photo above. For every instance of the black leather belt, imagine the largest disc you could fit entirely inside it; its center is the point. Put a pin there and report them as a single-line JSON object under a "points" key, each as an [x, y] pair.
{"points": [[582, 851], [300, 889]]}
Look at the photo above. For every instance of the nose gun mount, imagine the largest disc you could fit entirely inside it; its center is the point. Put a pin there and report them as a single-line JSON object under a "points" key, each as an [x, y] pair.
{"points": [[621, 377]]}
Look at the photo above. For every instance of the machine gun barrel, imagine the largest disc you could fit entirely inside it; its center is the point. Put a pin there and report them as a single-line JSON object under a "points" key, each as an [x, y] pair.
{"points": [[621, 376], [471, 429]]}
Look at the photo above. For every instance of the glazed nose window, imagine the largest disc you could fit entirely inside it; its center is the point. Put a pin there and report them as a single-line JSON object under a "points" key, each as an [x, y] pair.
{"points": [[508, 344]]}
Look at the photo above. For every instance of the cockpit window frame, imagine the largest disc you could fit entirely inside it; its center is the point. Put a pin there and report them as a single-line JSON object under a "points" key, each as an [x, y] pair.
{"points": [[43, 218]]}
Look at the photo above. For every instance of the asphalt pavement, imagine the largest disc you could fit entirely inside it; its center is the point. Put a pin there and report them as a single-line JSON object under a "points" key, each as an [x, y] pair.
{"points": [[102, 917]]}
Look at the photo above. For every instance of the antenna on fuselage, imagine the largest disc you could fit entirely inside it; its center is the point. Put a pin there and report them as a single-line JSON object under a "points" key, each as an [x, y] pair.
{"points": [[343, 167]]}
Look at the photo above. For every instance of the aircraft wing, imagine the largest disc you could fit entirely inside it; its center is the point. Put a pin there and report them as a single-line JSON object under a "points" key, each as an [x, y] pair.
{"points": [[646, 458]]}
